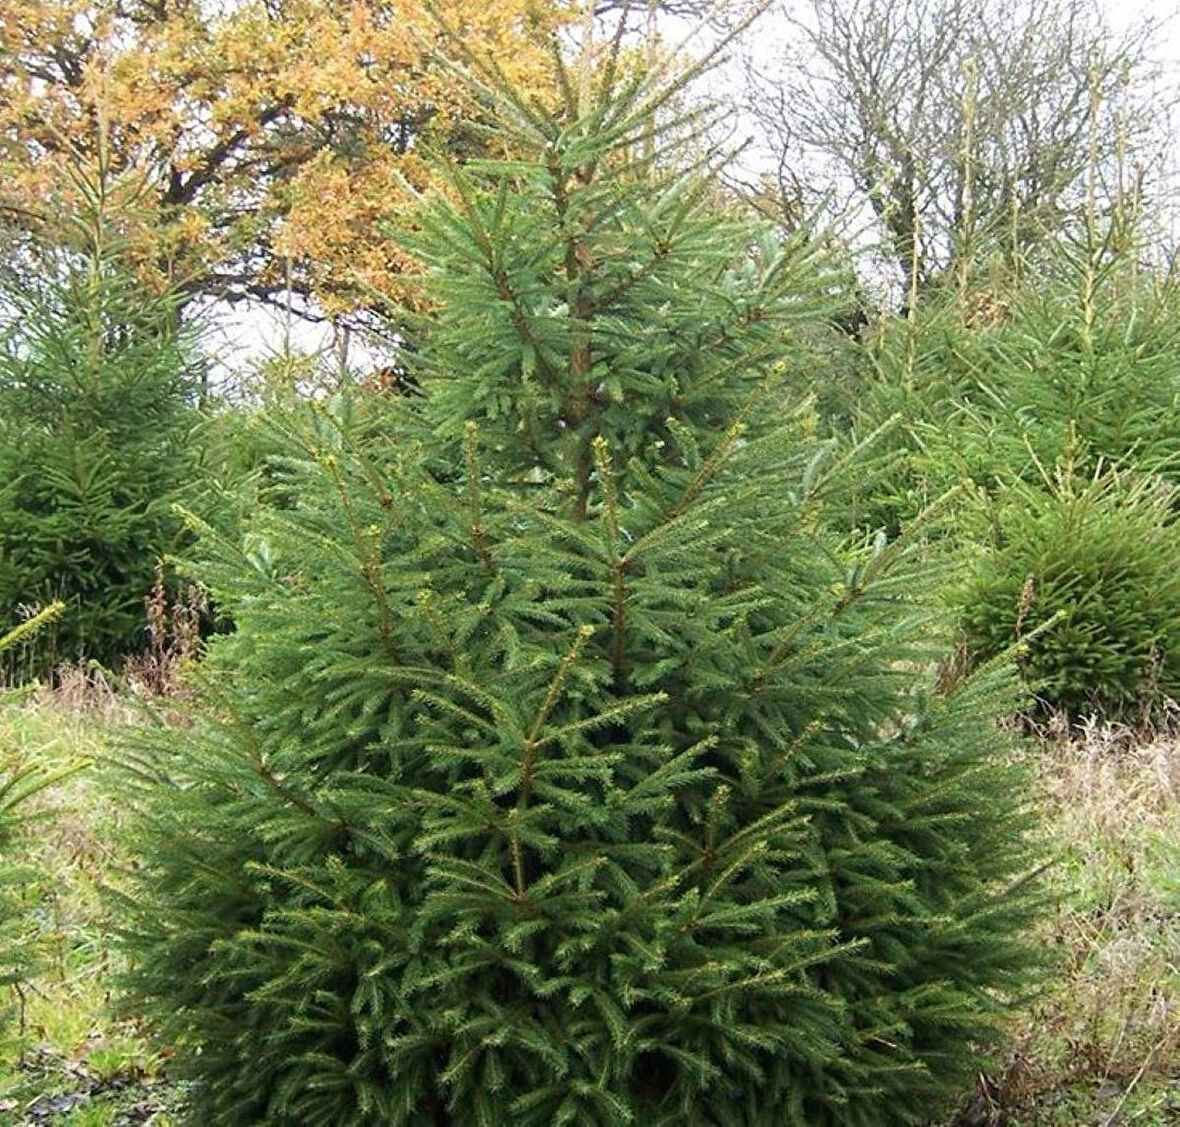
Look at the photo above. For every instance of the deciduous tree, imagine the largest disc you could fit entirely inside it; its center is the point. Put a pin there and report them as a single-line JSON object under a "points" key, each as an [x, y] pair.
{"points": [[965, 126], [269, 136]]}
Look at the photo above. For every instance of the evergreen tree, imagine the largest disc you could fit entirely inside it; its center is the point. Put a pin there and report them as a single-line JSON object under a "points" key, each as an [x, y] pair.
{"points": [[1081, 569], [1075, 364], [97, 407], [558, 771]]}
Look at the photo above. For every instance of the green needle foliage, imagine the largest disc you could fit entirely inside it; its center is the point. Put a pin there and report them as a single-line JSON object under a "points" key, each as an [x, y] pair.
{"points": [[1082, 571], [97, 408], [1078, 364], [557, 772], [1032, 391]]}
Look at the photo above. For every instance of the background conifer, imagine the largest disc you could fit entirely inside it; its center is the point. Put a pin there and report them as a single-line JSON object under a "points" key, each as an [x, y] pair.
{"points": [[98, 391]]}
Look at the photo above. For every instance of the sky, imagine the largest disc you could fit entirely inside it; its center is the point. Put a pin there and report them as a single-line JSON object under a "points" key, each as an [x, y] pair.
{"points": [[1123, 13]]}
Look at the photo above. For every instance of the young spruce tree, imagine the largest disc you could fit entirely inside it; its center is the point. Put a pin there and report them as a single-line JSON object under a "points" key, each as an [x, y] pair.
{"points": [[98, 389], [557, 772]]}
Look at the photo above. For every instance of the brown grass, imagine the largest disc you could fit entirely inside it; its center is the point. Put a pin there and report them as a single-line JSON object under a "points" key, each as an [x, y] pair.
{"points": [[1102, 1043]]}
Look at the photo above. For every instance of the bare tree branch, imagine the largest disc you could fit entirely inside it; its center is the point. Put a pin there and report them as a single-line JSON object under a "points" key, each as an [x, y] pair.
{"points": [[951, 165]]}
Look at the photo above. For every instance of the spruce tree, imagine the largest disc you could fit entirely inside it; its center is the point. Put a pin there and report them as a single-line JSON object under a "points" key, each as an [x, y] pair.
{"points": [[98, 388], [559, 771]]}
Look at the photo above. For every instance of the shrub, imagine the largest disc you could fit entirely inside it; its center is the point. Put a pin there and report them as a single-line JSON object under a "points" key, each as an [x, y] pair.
{"points": [[1084, 574], [557, 771]]}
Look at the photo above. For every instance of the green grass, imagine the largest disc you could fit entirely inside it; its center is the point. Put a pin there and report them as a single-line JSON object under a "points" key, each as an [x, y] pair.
{"points": [[65, 1056], [1100, 1045]]}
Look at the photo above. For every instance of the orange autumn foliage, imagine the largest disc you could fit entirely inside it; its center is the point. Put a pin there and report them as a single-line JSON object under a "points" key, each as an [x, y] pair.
{"points": [[263, 141]]}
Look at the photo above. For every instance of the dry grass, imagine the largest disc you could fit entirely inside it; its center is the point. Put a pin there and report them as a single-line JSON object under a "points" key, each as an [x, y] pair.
{"points": [[1102, 1044], [81, 700]]}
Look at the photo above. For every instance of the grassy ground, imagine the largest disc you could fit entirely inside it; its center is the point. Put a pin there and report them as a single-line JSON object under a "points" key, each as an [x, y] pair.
{"points": [[1101, 1045], [65, 1059]]}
